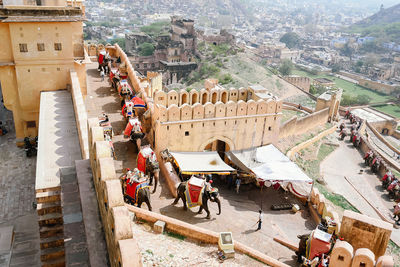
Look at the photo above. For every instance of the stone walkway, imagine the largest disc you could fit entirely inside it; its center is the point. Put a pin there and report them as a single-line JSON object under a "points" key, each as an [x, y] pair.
{"points": [[17, 193], [349, 161], [239, 212]]}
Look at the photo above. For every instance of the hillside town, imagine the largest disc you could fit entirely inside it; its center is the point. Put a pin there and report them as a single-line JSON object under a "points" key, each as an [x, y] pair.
{"points": [[209, 133]]}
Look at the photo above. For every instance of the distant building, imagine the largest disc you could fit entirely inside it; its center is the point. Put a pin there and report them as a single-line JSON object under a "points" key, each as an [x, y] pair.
{"points": [[173, 55]]}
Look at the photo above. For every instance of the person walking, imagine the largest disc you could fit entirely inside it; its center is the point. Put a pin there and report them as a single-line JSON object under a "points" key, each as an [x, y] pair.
{"points": [[102, 74], [260, 217], [238, 181]]}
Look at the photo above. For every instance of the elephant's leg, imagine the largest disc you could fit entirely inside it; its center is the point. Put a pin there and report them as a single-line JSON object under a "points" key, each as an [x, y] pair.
{"points": [[138, 143], [148, 204], [176, 200], [156, 176], [139, 203], [200, 210], [184, 201], [205, 207]]}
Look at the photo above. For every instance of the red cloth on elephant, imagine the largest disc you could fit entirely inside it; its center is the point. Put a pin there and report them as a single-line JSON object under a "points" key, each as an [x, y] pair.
{"points": [[141, 163], [133, 188], [194, 192]]}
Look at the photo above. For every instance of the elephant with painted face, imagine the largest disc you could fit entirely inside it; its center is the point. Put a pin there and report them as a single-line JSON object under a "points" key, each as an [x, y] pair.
{"points": [[207, 193]]}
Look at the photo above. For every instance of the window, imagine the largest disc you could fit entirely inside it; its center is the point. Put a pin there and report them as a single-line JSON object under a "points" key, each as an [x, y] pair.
{"points": [[31, 124], [145, 65], [58, 69], [341, 258], [153, 65], [57, 46], [269, 128], [23, 48], [40, 46], [186, 133]]}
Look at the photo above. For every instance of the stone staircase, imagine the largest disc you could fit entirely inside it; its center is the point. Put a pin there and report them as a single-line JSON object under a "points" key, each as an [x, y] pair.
{"points": [[51, 227]]}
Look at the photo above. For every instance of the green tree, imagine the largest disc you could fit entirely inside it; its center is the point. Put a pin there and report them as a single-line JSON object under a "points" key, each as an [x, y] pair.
{"points": [[291, 39], [336, 68], [347, 50], [146, 49], [286, 67]]}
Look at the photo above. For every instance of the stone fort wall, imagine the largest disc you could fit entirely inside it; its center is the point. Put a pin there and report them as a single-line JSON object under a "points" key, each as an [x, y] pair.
{"points": [[182, 126], [296, 126]]}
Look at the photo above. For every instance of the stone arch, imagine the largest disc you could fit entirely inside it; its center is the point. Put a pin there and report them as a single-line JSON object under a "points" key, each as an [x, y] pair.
{"points": [[204, 96], [261, 107], [209, 110], [173, 98], [241, 108], [173, 113], [183, 97], [220, 110], [225, 139], [251, 107], [224, 96], [233, 95], [214, 96], [231, 109], [186, 112], [160, 98], [198, 111], [194, 97]]}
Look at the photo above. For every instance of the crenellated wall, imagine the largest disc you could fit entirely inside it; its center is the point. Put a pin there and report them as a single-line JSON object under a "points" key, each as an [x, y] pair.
{"points": [[122, 247], [240, 124]]}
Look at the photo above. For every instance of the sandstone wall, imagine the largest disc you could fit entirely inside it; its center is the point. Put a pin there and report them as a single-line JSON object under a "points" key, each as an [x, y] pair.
{"points": [[239, 124], [376, 86], [122, 247], [80, 114], [297, 126]]}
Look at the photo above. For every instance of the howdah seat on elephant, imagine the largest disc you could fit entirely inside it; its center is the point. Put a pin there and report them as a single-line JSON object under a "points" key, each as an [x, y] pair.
{"points": [[196, 192], [136, 188]]}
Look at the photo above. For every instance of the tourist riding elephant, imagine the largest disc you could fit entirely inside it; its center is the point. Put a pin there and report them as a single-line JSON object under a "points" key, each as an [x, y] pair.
{"points": [[135, 191], [206, 195]]}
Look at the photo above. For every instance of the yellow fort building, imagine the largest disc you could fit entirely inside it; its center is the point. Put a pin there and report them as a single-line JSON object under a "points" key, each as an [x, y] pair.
{"points": [[41, 42]]}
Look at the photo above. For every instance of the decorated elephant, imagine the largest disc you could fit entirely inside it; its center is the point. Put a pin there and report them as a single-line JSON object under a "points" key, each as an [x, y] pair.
{"points": [[196, 192], [136, 189]]}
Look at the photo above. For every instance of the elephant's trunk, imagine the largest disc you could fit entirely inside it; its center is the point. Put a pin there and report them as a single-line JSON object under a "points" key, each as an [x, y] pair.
{"points": [[219, 205]]}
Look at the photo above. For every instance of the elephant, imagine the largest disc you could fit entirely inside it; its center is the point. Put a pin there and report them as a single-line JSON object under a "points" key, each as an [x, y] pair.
{"points": [[206, 195], [301, 252], [142, 196]]}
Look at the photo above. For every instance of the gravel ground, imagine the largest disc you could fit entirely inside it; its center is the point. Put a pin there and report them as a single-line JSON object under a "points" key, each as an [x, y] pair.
{"points": [[172, 250]]}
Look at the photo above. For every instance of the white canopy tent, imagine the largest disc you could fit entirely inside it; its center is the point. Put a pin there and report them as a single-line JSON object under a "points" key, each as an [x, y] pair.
{"points": [[201, 162], [270, 165]]}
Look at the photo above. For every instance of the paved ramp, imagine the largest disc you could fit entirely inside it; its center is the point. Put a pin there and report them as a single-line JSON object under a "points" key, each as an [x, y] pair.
{"points": [[58, 138], [57, 151]]}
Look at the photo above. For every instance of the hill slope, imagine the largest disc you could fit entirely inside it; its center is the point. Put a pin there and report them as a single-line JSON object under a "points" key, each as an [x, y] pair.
{"points": [[384, 16]]}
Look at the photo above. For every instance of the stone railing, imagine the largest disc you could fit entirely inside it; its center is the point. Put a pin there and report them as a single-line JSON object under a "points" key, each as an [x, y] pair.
{"points": [[343, 255], [122, 247], [80, 114]]}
